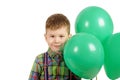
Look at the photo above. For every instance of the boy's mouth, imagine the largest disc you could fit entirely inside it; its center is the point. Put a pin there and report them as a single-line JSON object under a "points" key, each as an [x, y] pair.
{"points": [[57, 46]]}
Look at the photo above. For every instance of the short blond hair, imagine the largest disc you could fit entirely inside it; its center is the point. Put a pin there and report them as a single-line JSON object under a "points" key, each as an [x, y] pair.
{"points": [[57, 21]]}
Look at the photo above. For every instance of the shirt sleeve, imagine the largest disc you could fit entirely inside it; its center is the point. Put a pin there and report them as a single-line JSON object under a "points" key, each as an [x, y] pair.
{"points": [[36, 70]]}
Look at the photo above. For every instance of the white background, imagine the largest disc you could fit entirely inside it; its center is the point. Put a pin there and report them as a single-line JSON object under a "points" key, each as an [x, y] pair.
{"points": [[22, 28]]}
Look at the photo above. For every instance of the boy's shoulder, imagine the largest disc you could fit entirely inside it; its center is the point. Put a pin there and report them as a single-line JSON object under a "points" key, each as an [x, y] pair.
{"points": [[40, 55], [39, 58]]}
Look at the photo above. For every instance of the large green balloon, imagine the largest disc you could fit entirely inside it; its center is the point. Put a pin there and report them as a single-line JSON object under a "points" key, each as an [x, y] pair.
{"points": [[112, 56], [96, 21], [84, 55]]}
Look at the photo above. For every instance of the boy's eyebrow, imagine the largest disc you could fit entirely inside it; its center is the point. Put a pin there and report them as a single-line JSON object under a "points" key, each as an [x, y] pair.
{"points": [[50, 34], [55, 34]]}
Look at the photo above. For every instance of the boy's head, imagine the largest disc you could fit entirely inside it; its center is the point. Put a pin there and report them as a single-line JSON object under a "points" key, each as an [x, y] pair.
{"points": [[57, 21], [57, 31]]}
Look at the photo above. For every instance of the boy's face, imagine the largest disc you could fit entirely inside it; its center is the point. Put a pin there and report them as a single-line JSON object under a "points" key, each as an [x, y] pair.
{"points": [[56, 38]]}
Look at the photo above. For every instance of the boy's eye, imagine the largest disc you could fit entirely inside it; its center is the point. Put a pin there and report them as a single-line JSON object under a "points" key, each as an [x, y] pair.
{"points": [[52, 36], [61, 36]]}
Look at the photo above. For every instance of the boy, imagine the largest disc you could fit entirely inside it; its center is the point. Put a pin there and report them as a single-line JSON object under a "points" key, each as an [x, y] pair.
{"points": [[50, 65]]}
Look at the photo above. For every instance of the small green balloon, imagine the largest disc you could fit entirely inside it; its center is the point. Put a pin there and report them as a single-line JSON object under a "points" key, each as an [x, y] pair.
{"points": [[84, 55], [96, 21], [112, 56]]}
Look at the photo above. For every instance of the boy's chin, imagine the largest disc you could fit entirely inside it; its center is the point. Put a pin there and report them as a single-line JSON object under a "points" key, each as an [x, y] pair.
{"points": [[58, 50]]}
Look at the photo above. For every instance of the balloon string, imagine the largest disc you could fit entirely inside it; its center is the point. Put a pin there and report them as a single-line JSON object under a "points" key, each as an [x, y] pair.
{"points": [[96, 77]]}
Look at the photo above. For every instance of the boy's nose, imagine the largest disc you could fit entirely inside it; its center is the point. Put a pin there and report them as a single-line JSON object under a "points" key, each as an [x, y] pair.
{"points": [[57, 39]]}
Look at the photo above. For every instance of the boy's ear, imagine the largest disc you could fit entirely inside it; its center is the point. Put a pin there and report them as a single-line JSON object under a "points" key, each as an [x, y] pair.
{"points": [[45, 36], [70, 35]]}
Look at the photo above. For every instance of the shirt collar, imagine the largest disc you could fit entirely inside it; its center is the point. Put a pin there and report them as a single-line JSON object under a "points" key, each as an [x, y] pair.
{"points": [[53, 54]]}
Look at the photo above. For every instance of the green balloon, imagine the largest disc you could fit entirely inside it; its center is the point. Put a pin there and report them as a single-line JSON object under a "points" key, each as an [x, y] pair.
{"points": [[96, 21], [112, 56], [84, 55]]}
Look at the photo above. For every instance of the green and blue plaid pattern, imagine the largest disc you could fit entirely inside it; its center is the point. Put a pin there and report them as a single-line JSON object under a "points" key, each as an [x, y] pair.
{"points": [[57, 69]]}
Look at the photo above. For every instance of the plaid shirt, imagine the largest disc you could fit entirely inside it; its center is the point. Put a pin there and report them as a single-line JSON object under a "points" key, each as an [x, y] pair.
{"points": [[57, 69]]}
